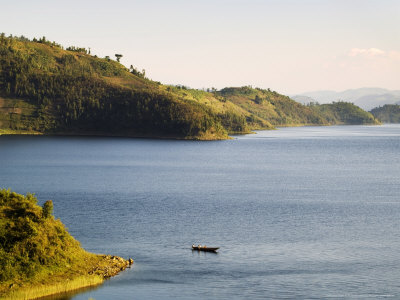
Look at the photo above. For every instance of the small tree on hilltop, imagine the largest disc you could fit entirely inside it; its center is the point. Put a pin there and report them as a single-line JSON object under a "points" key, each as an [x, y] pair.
{"points": [[118, 56]]}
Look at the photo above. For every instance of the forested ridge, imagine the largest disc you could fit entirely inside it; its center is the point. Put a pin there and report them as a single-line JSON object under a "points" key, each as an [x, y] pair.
{"points": [[45, 88], [389, 113]]}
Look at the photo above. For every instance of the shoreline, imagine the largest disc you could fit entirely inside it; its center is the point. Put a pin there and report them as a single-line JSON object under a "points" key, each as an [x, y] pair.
{"points": [[106, 266], [103, 134], [9, 132]]}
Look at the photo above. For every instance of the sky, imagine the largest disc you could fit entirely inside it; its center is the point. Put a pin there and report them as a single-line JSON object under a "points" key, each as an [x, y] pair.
{"points": [[291, 46]]}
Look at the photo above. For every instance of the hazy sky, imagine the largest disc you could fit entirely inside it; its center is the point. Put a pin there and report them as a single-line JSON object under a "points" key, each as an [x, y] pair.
{"points": [[290, 46]]}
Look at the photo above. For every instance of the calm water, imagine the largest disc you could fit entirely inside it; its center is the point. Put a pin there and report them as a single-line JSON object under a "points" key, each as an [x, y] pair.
{"points": [[308, 212]]}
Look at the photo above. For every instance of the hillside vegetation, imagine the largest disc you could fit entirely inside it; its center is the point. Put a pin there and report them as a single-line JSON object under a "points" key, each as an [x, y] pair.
{"points": [[47, 89], [344, 113], [37, 253], [389, 113], [271, 108]]}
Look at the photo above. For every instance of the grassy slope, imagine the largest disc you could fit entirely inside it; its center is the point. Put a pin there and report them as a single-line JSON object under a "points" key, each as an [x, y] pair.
{"points": [[344, 113], [38, 256], [271, 108], [389, 113]]}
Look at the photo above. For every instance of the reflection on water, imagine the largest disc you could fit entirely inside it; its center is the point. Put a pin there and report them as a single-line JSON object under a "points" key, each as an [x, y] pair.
{"points": [[70, 295]]}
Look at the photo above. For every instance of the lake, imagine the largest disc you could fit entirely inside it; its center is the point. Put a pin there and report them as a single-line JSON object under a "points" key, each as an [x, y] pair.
{"points": [[306, 212]]}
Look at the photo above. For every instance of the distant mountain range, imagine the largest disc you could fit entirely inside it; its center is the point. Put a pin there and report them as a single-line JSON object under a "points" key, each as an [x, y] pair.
{"points": [[366, 98]]}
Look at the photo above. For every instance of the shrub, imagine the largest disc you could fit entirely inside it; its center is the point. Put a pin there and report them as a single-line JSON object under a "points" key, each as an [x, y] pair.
{"points": [[47, 209]]}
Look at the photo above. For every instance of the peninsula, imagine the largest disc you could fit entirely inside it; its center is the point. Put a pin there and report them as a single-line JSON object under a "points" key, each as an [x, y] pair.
{"points": [[38, 257]]}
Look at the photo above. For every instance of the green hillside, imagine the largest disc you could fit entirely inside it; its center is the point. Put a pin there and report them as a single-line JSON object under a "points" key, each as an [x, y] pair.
{"points": [[47, 89], [38, 255], [344, 113], [50, 90], [272, 108], [389, 113]]}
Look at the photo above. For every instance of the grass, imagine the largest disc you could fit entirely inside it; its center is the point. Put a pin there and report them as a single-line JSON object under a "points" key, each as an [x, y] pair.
{"points": [[5, 131], [33, 292], [85, 270]]}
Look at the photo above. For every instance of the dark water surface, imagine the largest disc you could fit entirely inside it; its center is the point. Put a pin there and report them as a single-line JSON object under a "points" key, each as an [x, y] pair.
{"points": [[310, 212]]}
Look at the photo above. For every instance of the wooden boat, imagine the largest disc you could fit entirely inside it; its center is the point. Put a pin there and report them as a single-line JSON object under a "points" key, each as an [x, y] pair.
{"points": [[204, 248]]}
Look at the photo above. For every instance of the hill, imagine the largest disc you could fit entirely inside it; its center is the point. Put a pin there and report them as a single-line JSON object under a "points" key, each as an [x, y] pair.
{"points": [[46, 89], [389, 113], [344, 113], [271, 107], [37, 254]]}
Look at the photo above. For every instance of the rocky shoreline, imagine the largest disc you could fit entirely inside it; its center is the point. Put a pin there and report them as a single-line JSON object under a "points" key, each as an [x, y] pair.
{"points": [[114, 265]]}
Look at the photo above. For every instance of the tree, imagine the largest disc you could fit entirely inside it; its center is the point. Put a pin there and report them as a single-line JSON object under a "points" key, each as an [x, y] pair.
{"points": [[47, 209], [258, 100], [118, 56]]}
